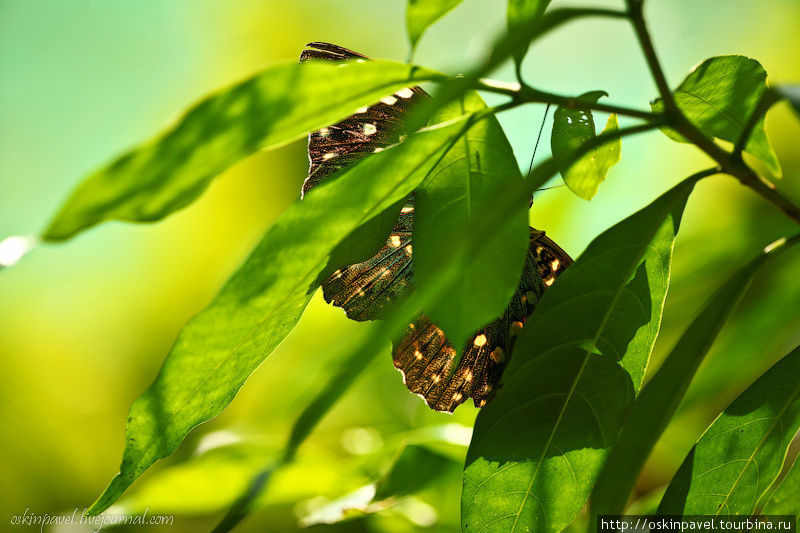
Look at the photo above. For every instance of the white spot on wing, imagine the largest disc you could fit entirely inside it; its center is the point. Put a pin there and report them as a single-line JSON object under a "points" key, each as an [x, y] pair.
{"points": [[389, 100], [405, 93], [369, 129]]}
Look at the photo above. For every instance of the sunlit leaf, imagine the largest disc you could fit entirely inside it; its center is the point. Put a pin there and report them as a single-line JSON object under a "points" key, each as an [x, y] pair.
{"points": [[520, 12], [719, 96], [740, 455], [784, 500], [572, 128], [269, 110], [414, 467], [460, 198], [221, 346], [212, 481], [420, 14], [539, 445], [659, 399]]}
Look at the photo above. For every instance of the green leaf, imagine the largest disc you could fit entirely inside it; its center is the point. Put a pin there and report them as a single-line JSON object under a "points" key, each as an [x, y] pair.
{"points": [[271, 109], [718, 97], [784, 500], [659, 399], [740, 455], [221, 346], [539, 445], [459, 199], [422, 13], [519, 13], [572, 128], [413, 468], [791, 93], [211, 481]]}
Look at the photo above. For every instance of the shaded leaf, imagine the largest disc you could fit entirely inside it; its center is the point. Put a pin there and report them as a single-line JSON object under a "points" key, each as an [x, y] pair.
{"points": [[221, 346], [519, 13], [420, 14], [571, 129], [740, 455], [659, 399], [718, 96], [539, 445], [459, 198], [271, 109]]}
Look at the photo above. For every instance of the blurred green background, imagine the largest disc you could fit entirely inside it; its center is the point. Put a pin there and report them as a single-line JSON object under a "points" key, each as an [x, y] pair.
{"points": [[84, 325]]}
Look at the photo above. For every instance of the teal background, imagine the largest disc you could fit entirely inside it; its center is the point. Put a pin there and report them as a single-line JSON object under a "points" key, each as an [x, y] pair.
{"points": [[84, 325]]}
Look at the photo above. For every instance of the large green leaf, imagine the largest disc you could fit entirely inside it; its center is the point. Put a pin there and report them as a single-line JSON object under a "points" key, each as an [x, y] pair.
{"points": [[420, 14], [519, 13], [719, 96], [221, 346], [269, 110], [573, 127], [740, 455], [659, 399], [540, 444], [458, 199]]}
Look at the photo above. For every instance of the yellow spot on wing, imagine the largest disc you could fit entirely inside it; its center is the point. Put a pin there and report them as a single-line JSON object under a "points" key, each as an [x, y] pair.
{"points": [[498, 355], [480, 340], [395, 240]]}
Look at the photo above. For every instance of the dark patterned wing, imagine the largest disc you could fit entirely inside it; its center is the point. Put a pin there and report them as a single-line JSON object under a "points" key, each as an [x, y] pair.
{"points": [[425, 357], [370, 130], [365, 289]]}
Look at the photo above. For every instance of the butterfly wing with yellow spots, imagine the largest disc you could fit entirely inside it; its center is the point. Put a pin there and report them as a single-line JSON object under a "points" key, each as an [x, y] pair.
{"points": [[365, 290], [425, 357]]}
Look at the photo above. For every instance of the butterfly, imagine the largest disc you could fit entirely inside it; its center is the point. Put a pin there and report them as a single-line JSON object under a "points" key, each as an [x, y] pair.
{"points": [[365, 290]]}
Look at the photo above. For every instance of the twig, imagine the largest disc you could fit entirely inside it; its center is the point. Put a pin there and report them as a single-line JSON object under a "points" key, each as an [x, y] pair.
{"points": [[643, 35]]}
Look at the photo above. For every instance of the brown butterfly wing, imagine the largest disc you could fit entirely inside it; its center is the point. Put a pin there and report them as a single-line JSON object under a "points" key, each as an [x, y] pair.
{"points": [[425, 357], [371, 129], [364, 290]]}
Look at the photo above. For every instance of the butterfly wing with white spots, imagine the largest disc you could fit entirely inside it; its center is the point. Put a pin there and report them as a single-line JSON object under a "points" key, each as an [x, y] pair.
{"points": [[365, 290]]}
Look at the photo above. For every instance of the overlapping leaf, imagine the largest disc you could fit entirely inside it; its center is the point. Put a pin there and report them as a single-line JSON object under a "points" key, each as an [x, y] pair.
{"points": [[539, 445], [740, 455], [459, 198], [719, 96], [660, 397], [220, 347], [420, 14], [520, 12], [785, 498], [572, 128], [269, 110]]}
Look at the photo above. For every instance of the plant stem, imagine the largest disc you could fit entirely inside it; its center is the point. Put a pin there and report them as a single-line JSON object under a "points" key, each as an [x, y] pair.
{"points": [[730, 162], [526, 94], [643, 35], [768, 98]]}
